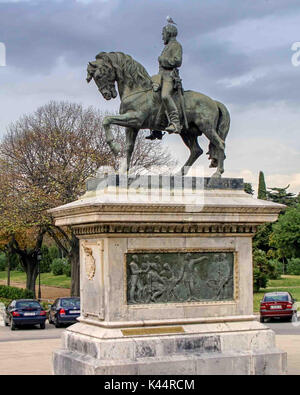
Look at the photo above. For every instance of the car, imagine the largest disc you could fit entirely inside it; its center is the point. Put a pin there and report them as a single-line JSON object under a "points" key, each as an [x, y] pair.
{"points": [[278, 305], [22, 312], [64, 311]]}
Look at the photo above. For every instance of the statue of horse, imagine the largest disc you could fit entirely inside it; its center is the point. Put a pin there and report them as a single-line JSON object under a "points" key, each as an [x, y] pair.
{"points": [[140, 105]]}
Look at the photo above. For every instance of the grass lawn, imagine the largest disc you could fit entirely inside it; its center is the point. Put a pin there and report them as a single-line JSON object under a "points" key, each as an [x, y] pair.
{"points": [[287, 283], [46, 279]]}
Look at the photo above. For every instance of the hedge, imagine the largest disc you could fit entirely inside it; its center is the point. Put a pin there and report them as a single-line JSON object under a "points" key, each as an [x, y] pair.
{"points": [[293, 266], [58, 266], [7, 292]]}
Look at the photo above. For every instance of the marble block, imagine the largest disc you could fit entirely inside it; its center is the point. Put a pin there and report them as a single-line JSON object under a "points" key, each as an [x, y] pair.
{"points": [[166, 284]]}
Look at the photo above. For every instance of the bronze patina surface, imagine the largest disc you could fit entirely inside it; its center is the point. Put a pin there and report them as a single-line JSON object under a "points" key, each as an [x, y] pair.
{"points": [[159, 103], [179, 277]]}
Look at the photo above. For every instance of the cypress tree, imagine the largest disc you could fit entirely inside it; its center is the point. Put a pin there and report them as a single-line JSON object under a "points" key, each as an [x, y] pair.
{"points": [[262, 190]]}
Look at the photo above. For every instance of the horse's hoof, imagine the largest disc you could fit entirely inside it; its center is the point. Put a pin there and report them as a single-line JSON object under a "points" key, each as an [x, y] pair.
{"points": [[216, 175]]}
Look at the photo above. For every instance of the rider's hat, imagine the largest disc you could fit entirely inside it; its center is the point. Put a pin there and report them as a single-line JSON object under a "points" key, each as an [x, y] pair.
{"points": [[171, 30]]}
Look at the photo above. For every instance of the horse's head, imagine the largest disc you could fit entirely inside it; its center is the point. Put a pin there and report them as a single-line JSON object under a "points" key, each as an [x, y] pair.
{"points": [[104, 76]]}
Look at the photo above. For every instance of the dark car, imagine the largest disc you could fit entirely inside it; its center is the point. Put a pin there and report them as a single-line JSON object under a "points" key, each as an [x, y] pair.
{"points": [[278, 305], [64, 311], [22, 312]]}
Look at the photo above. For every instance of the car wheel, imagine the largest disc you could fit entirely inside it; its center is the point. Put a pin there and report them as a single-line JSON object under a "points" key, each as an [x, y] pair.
{"points": [[294, 318], [57, 324], [12, 325], [261, 319], [43, 326]]}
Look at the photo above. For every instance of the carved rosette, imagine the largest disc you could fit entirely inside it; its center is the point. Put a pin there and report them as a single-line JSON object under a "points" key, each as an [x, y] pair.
{"points": [[89, 261]]}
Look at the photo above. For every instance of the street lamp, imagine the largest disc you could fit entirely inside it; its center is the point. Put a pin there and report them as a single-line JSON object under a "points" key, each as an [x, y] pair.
{"points": [[39, 258]]}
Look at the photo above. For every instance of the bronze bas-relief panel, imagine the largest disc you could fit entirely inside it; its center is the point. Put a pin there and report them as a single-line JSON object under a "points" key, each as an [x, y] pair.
{"points": [[179, 277]]}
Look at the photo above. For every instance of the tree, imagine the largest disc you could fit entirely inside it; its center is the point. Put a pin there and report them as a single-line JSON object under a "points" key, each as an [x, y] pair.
{"points": [[286, 233], [248, 188], [263, 270], [262, 190], [45, 159], [280, 195]]}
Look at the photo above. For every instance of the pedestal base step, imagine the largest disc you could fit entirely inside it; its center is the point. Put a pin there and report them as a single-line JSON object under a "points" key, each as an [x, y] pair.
{"points": [[272, 362]]}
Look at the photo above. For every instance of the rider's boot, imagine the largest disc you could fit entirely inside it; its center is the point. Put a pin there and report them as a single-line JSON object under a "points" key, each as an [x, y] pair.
{"points": [[174, 126], [155, 134]]}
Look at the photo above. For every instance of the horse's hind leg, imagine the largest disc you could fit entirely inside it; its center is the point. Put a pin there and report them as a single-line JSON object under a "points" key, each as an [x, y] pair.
{"points": [[220, 166], [217, 147], [190, 139]]}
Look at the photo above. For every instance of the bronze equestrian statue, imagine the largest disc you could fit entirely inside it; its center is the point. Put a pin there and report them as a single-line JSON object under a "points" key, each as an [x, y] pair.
{"points": [[159, 103]]}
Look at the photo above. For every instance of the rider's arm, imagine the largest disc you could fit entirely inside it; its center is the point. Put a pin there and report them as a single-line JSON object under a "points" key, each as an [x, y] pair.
{"points": [[171, 58]]}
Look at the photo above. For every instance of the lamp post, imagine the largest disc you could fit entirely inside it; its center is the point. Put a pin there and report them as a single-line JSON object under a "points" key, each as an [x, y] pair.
{"points": [[39, 258]]}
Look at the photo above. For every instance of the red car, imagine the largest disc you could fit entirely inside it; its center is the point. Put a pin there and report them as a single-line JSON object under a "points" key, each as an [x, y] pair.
{"points": [[278, 305]]}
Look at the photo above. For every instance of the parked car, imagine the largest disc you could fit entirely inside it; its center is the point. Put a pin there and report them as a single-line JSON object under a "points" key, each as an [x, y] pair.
{"points": [[25, 312], [64, 311], [278, 305]]}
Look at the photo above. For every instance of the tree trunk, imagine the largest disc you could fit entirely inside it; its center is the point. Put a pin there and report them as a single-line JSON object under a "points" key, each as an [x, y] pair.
{"points": [[75, 267], [31, 269], [8, 270]]}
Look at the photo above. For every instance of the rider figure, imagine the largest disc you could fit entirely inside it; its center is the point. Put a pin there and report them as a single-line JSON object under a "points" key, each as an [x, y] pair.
{"points": [[169, 61]]}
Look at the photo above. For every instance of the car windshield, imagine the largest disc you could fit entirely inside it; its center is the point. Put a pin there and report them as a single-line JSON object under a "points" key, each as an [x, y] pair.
{"points": [[28, 304], [70, 303], [276, 298]]}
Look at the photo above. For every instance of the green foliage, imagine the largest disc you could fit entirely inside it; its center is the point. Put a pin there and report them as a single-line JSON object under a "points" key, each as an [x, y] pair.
{"points": [[14, 261], [53, 252], [67, 270], [262, 190], [248, 188], [261, 239], [263, 270], [58, 266], [293, 266], [15, 293], [5, 301], [5, 258], [260, 270], [20, 268], [46, 260], [279, 268], [260, 280], [286, 234], [280, 195], [3, 261]]}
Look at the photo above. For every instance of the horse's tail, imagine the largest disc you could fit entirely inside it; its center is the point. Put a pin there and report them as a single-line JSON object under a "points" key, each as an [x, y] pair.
{"points": [[223, 122], [222, 130]]}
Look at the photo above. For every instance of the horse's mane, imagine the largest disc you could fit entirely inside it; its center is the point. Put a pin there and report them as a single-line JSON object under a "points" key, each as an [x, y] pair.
{"points": [[127, 68]]}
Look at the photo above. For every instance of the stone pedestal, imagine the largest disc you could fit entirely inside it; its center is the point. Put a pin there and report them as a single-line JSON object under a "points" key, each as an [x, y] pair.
{"points": [[166, 279]]}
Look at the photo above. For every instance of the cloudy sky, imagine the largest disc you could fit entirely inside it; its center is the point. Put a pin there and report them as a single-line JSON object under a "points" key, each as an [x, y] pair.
{"points": [[236, 51]]}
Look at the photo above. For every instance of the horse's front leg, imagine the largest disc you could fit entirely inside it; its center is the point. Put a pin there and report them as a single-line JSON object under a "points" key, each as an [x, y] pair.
{"points": [[130, 119], [131, 135]]}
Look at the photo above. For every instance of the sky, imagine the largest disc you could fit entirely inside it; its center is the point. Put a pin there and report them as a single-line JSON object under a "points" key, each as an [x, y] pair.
{"points": [[238, 52]]}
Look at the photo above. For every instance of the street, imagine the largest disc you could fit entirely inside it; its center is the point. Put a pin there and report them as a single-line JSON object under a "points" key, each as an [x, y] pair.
{"points": [[30, 333], [284, 328]]}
